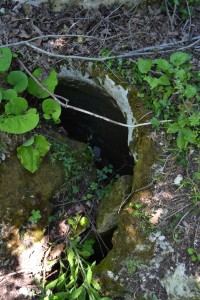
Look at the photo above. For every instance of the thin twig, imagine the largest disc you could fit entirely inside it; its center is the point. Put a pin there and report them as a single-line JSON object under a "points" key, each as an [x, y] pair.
{"points": [[65, 105]]}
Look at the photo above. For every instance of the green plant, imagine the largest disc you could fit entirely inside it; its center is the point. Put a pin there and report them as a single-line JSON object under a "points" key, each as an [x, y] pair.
{"points": [[75, 280], [18, 116], [35, 216], [193, 254]]}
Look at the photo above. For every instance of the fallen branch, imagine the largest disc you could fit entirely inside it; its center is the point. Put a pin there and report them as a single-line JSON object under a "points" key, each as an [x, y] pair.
{"points": [[65, 105], [163, 48]]}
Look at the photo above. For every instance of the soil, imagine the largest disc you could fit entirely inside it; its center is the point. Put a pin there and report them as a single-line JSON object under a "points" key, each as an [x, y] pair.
{"points": [[121, 30]]}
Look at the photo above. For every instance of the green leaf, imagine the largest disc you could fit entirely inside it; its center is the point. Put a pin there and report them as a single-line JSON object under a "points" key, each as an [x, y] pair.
{"points": [[49, 83], [19, 80], [29, 158], [84, 222], [155, 122], [190, 251], [89, 275], [144, 65], [181, 142], [30, 154], [20, 124], [41, 144], [194, 119], [51, 285], [190, 91], [163, 80], [16, 106], [9, 94], [189, 135], [51, 109], [162, 64], [70, 257], [5, 59], [179, 58], [76, 293], [35, 216], [173, 128], [153, 82]]}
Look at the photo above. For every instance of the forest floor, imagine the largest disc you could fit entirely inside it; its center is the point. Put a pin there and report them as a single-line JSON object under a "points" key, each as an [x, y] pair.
{"points": [[120, 30]]}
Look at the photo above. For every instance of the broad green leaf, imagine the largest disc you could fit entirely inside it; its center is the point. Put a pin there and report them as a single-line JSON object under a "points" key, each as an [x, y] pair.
{"points": [[173, 128], [20, 124], [49, 83], [181, 143], [153, 82], [70, 257], [5, 59], [179, 58], [190, 91], [16, 106], [162, 64], [76, 293], [89, 275], [31, 153], [9, 94], [29, 158], [163, 80], [51, 109], [144, 65], [181, 74], [19, 80], [1, 94], [41, 144]]}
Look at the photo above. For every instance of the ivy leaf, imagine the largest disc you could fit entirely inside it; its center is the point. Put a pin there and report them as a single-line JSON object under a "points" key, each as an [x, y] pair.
{"points": [[5, 59], [162, 64], [51, 109], [144, 65], [20, 124], [179, 58], [190, 91], [9, 94], [19, 80], [31, 153], [49, 83], [16, 106]]}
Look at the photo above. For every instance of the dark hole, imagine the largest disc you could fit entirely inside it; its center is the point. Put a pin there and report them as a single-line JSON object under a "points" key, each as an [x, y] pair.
{"points": [[109, 141]]}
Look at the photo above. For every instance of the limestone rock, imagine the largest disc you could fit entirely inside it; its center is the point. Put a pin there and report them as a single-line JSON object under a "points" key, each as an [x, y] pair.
{"points": [[108, 208]]}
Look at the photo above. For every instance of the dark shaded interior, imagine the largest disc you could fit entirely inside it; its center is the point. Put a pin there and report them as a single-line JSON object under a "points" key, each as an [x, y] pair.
{"points": [[109, 141]]}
